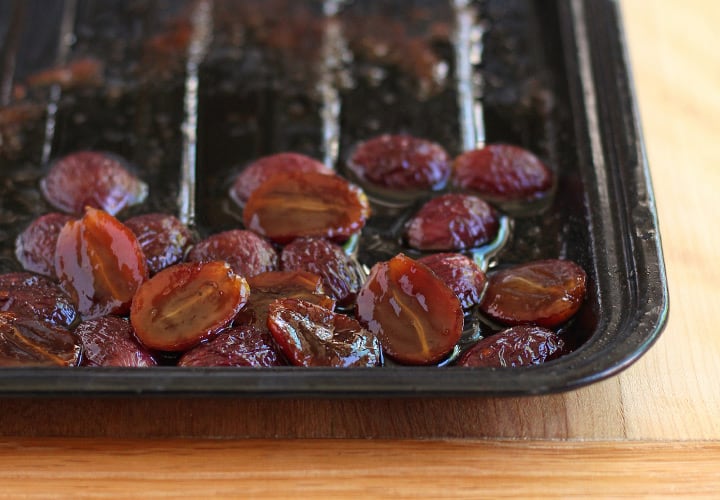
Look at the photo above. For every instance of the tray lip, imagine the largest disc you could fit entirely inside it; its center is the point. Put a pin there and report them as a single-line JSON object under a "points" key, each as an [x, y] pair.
{"points": [[557, 376]]}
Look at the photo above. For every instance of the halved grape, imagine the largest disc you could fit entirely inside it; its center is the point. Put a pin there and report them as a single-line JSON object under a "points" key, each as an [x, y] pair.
{"points": [[267, 287], [546, 293], [310, 335], [186, 304], [296, 204], [417, 318], [31, 342], [262, 169], [100, 263]]}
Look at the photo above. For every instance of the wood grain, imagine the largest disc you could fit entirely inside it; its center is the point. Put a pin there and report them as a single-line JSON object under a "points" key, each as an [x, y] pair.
{"points": [[670, 394], [339, 469]]}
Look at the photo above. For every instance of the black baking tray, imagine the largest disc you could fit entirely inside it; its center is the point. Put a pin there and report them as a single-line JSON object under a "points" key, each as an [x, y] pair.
{"points": [[556, 80]]}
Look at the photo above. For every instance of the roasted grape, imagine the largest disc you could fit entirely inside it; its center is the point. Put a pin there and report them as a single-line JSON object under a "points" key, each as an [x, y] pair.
{"points": [[460, 273], [296, 204], [516, 346], [186, 304], [401, 162], [417, 318], [91, 179], [31, 342], [163, 239], [261, 170], [310, 335], [36, 297], [545, 293], [503, 173], [267, 287], [247, 253], [100, 263], [110, 341], [35, 246], [341, 278], [452, 222], [240, 346]]}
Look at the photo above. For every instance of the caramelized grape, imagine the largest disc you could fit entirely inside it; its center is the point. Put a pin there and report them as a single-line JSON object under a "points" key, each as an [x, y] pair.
{"points": [[310, 335], [545, 293], [460, 273], [100, 263], [36, 297], [452, 222], [110, 341], [267, 287], [328, 260], [417, 318], [186, 304], [91, 179], [30, 342], [516, 346], [35, 247], [296, 204], [240, 346], [502, 172], [261, 170], [163, 239], [401, 162], [246, 252]]}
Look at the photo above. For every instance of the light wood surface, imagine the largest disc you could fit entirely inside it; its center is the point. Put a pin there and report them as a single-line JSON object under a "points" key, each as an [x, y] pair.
{"points": [[654, 429], [338, 469]]}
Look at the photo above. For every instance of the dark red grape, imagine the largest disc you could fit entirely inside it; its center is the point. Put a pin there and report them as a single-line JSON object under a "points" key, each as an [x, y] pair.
{"points": [[31, 342], [247, 253], [545, 293], [310, 335], [516, 346], [36, 297], [460, 273], [417, 318], [186, 304], [502, 172], [240, 346], [99, 263], [163, 239], [267, 287], [110, 341], [341, 278], [296, 204], [91, 179], [452, 222], [35, 246], [262, 169], [401, 162]]}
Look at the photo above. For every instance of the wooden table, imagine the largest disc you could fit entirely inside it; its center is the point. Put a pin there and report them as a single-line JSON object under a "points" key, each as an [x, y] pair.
{"points": [[654, 429]]}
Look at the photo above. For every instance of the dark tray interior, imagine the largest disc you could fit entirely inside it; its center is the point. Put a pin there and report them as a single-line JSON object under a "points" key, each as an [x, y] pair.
{"points": [[554, 83]]}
